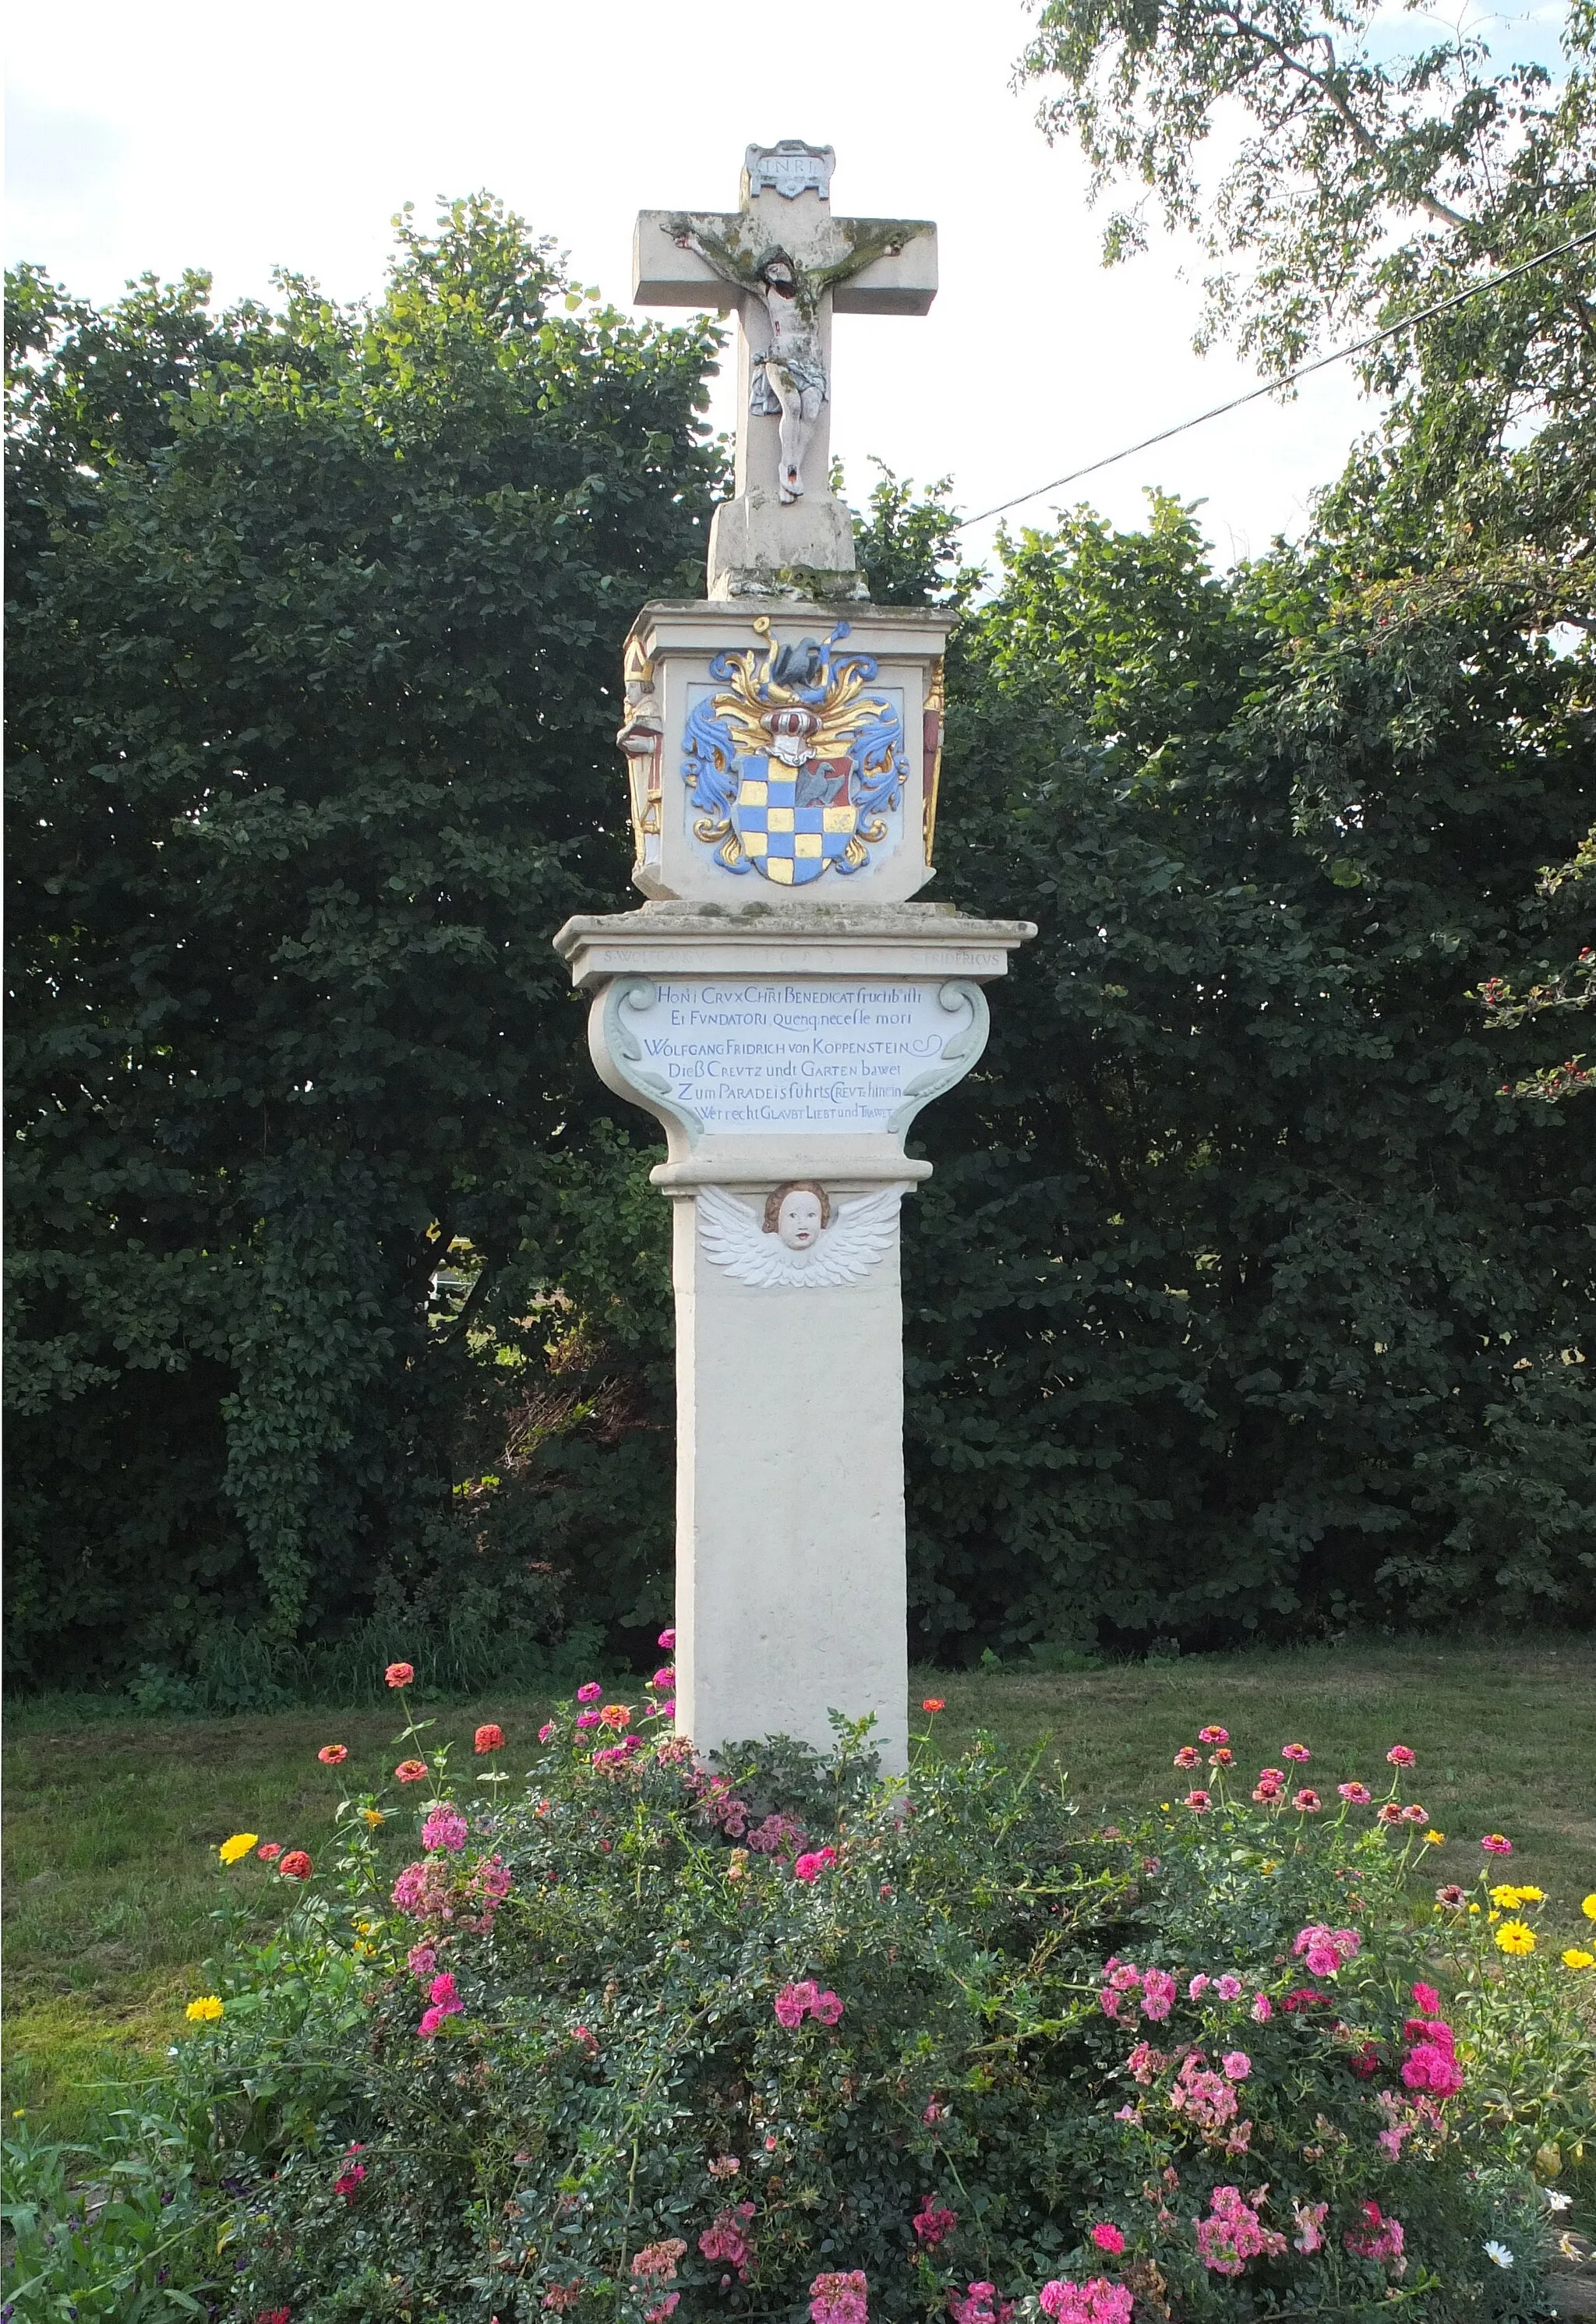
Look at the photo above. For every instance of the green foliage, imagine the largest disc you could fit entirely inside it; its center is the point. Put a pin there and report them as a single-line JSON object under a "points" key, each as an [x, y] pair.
{"points": [[1238, 1296], [650, 2037], [314, 632]]}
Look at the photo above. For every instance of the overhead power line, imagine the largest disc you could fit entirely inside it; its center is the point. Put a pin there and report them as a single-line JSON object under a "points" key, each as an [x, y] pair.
{"points": [[1286, 379]]}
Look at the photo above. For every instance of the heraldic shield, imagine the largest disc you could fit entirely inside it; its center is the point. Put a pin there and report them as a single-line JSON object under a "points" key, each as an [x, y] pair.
{"points": [[793, 766]]}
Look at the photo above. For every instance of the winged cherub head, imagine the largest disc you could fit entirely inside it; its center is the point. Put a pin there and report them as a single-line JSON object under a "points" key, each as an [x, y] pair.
{"points": [[799, 1213]]}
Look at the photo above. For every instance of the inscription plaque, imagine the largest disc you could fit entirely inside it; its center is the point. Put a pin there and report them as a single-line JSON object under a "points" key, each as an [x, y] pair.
{"points": [[756, 1056]]}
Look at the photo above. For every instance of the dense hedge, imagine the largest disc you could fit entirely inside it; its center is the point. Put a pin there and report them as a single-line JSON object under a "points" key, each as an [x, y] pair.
{"points": [[1241, 1299]]}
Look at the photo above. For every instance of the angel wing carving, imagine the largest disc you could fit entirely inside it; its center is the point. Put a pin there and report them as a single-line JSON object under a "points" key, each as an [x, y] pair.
{"points": [[734, 1238]]}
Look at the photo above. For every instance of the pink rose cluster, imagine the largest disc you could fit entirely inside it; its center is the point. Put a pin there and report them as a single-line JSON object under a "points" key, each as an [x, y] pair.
{"points": [[1325, 1950], [794, 2003], [1379, 2238], [1128, 1989], [934, 2222], [444, 2003], [445, 1827], [433, 1890], [810, 1866], [1232, 2232], [725, 2239], [1431, 2064], [718, 1804], [1096, 2303], [979, 2305], [840, 2299]]}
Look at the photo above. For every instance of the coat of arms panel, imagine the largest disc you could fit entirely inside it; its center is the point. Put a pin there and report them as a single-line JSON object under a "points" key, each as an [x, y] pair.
{"points": [[794, 760]]}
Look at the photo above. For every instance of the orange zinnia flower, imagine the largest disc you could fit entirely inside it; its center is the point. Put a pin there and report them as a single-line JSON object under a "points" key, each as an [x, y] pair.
{"points": [[400, 1674], [295, 1865], [489, 1739]]}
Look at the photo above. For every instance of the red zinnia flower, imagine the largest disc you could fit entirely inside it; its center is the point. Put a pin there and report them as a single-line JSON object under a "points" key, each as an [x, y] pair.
{"points": [[295, 1865], [489, 1739], [400, 1674], [333, 1755], [933, 1702]]}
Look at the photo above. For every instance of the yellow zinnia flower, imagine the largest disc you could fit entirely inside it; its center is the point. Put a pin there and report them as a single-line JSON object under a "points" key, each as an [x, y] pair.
{"points": [[205, 2010], [1577, 1957], [239, 1845], [1516, 1937], [1507, 1897], [1435, 1840]]}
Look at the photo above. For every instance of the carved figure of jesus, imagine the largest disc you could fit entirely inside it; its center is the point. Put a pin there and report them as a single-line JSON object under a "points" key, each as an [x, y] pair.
{"points": [[793, 365], [795, 370]]}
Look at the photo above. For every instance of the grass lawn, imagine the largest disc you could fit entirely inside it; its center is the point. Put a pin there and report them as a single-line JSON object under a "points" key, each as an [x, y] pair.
{"points": [[110, 1828]]}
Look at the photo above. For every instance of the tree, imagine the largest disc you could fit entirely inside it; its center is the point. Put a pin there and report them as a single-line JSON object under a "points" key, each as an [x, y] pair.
{"points": [[1239, 1300], [1366, 182], [315, 624]]}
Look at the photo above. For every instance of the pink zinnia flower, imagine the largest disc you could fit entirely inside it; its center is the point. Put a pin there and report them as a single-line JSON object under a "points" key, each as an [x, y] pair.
{"points": [[411, 1771], [399, 1673], [333, 1755], [840, 2299], [1399, 1756], [1307, 1803], [269, 1850], [1495, 1843], [667, 1637], [587, 1718], [547, 1730], [1357, 1796], [1214, 1734], [1199, 1803], [1108, 2239], [1414, 1814], [1452, 1897], [664, 1676], [590, 1692], [1188, 1756], [1388, 1811], [1297, 1751]]}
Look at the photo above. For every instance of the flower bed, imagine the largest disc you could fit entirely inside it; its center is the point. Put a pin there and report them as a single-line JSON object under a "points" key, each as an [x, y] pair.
{"points": [[648, 2040]]}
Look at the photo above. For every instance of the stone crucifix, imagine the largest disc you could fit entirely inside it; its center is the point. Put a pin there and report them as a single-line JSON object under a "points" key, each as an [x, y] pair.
{"points": [[786, 264]]}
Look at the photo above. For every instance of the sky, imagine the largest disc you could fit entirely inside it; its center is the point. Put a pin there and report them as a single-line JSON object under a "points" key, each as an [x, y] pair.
{"points": [[182, 135]]}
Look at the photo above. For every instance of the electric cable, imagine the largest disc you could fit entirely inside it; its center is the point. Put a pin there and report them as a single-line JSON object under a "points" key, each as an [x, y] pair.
{"points": [[1285, 379]]}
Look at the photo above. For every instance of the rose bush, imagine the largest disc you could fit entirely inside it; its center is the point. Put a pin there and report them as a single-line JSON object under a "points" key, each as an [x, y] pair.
{"points": [[620, 2046]]}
